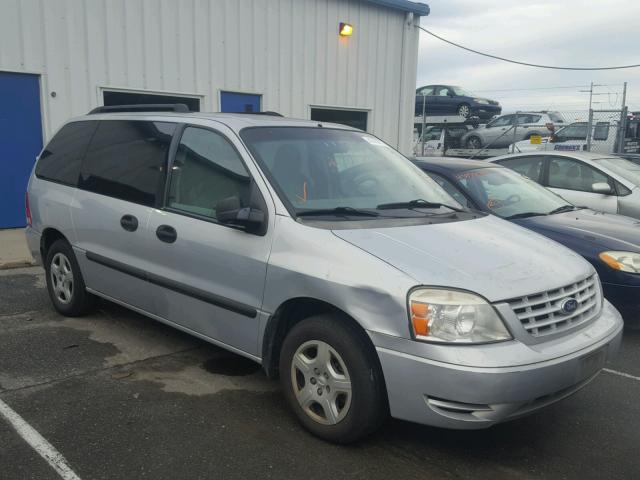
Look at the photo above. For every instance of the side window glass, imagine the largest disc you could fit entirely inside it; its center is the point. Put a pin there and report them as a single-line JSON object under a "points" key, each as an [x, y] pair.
{"points": [[126, 160], [621, 189], [443, 92], [206, 169], [450, 188], [502, 121], [530, 167], [60, 160], [573, 175], [426, 91]]}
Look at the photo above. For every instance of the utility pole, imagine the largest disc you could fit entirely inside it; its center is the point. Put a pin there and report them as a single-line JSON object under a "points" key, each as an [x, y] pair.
{"points": [[622, 124], [590, 122]]}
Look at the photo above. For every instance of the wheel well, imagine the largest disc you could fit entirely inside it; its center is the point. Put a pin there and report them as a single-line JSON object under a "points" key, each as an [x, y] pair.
{"points": [[285, 318], [49, 236]]}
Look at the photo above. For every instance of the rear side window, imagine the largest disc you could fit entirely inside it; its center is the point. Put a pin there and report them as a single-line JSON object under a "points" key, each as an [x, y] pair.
{"points": [[60, 160], [127, 159]]}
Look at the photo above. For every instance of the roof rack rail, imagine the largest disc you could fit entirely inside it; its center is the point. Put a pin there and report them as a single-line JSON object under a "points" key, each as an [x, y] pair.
{"points": [[268, 112], [152, 107]]}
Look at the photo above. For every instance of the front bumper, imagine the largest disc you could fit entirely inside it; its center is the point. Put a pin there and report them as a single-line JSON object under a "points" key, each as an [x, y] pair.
{"points": [[451, 395]]}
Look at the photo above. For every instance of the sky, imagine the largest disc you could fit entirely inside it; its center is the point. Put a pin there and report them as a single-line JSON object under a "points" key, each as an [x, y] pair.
{"points": [[562, 32]]}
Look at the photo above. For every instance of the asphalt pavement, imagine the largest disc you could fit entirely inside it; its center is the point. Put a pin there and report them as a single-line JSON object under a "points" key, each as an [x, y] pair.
{"points": [[120, 396]]}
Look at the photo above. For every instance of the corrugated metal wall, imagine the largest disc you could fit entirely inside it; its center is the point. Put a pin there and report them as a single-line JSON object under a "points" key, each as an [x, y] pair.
{"points": [[287, 50]]}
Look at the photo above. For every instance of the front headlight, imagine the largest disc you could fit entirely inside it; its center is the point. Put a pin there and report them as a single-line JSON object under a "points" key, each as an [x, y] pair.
{"points": [[481, 101], [450, 316], [623, 261]]}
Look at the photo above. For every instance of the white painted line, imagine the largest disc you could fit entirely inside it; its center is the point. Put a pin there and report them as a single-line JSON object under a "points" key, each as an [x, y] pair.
{"points": [[622, 374], [38, 443]]}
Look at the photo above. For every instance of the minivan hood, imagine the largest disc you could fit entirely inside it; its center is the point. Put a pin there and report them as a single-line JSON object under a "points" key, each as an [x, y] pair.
{"points": [[488, 255]]}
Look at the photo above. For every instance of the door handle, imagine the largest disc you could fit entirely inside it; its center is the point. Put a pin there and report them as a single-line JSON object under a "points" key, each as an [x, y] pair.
{"points": [[129, 223], [166, 233]]}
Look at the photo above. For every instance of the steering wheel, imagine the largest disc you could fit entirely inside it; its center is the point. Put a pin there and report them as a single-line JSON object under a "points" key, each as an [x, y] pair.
{"points": [[360, 180]]}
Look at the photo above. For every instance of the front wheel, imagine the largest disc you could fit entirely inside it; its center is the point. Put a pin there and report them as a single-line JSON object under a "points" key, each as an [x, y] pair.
{"points": [[331, 379], [464, 110], [474, 142]]}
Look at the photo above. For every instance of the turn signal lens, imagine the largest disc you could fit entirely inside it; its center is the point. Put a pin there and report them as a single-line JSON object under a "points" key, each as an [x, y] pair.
{"points": [[419, 320]]}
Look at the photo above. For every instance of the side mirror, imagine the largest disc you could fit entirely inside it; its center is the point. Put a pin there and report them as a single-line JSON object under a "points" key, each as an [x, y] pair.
{"points": [[601, 187], [229, 211]]}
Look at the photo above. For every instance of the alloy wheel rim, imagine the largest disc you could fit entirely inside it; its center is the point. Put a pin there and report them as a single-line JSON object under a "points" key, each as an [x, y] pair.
{"points": [[463, 111], [474, 142], [321, 382], [62, 278]]}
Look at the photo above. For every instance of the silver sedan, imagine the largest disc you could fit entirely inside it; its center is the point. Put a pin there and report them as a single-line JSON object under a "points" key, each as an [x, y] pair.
{"points": [[601, 182]]}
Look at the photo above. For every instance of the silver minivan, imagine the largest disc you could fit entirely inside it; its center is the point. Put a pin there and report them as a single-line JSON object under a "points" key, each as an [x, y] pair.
{"points": [[323, 254]]}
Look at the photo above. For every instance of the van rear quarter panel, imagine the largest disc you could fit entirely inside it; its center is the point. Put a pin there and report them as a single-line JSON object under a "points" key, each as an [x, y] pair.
{"points": [[50, 204]]}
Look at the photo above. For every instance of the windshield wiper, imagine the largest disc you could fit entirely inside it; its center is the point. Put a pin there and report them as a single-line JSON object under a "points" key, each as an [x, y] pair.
{"points": [[341, 211], [524, 215], [418, 203], [564, 208]]}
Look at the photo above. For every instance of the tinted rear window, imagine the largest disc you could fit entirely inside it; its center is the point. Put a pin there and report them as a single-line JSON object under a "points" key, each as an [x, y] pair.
{"points": [[60, 160], [126, 160]]}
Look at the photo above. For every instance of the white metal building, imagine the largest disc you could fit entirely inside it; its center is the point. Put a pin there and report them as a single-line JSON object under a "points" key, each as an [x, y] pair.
{"points": [[61, 58]]}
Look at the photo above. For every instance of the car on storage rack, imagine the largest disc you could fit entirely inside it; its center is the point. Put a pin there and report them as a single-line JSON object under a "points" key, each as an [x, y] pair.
{"points": [[322, 253], [611, 243], [604, 183], [502, 131], [453, 100]]}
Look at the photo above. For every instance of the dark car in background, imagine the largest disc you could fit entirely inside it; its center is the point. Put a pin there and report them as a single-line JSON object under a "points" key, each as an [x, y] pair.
{"points": [[453, 100], [611, 243]]}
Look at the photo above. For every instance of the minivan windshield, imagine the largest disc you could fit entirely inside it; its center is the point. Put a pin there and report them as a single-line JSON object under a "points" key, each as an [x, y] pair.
{"points": [[508, 194], [322, 169]]}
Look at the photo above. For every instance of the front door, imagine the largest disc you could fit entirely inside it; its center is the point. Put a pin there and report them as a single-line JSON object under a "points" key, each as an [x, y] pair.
{"points": [[573, 180], [209, 277], [20, 142]]}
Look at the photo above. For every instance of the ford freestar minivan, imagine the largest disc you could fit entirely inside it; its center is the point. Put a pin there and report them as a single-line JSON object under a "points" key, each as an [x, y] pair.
{"points": [[325, 255]]}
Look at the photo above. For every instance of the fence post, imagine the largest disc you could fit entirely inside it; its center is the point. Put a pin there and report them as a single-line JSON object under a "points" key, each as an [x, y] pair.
{"points": [[589, 127], [424, 119], [622, 129], [515, 127]]}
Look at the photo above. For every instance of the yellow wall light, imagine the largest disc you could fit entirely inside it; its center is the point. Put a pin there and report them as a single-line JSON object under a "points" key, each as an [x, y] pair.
{"points": [[346, 29]]}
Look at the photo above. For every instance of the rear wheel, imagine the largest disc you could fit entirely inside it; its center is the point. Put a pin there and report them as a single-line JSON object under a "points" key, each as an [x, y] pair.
{"points": [[331, 379], [65, 284]]}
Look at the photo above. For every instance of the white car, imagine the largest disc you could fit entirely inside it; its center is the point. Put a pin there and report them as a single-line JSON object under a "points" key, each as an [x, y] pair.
{"points": [[601, 182]]}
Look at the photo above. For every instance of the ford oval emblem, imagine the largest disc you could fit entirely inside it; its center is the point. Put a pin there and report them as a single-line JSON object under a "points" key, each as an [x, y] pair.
{"points": [[568, 305]]}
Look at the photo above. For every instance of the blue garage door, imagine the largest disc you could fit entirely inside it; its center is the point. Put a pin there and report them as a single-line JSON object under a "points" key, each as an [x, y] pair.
{"points": [[20, 142], [231, 102]]}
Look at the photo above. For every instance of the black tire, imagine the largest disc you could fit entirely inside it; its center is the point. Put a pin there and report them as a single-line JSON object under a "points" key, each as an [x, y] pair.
{"points": [[464, 110], [79, 301], [368, 403], [474, 142]]}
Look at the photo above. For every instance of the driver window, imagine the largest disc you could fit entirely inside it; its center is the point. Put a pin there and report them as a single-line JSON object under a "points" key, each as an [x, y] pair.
{"points": [[206, 169], [528, 166], [573, 175]]}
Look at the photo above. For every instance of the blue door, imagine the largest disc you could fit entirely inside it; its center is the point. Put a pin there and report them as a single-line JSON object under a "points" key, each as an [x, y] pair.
{"points": [[20, 142], [239, 102]]}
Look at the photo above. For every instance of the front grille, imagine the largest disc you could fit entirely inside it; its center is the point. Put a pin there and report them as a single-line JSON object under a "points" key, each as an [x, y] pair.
{"points": [[541, 315]]}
